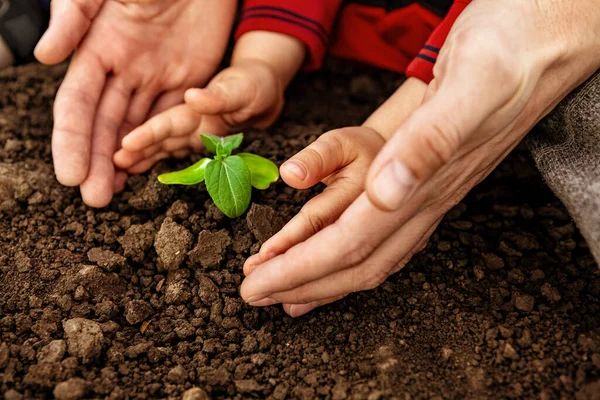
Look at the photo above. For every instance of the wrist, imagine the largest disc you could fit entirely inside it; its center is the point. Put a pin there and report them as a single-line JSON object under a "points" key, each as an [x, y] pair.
{"points": [[282, 54]]}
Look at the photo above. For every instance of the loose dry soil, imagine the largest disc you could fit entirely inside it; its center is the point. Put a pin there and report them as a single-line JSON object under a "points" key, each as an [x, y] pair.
{"points": [[140, 300]]}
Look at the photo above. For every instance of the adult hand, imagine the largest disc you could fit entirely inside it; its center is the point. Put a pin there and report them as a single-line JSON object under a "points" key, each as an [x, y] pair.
{"points": [[504, 66], [134, 58]]}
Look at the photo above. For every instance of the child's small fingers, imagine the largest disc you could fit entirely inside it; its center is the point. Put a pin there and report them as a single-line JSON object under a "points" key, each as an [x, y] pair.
{"points": [[318, 213], [120, 181], [330, 152], [219, 97], [125, 159], [175, 122], [147, 163]]}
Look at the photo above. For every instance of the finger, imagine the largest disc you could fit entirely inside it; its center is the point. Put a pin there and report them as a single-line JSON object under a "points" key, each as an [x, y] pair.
{"points": [[328, 153], [297, 310], [389, 258], [74, 114], [346, 154], [433, 134], [331, 152], [177, 121], [349, 241], [147, 163], [98, 188], [219, 97], [120, 181], [165, 101], [316, 214], [69, 22], [390, 115]]}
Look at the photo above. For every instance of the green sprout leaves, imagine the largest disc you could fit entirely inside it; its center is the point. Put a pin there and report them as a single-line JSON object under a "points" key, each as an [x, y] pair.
{"points": [[228, 183], [229, 179]]}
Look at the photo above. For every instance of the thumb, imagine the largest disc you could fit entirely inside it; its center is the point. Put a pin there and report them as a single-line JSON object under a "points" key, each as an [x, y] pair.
{"points": [[219, 97], [69, 22], [428, 140]]}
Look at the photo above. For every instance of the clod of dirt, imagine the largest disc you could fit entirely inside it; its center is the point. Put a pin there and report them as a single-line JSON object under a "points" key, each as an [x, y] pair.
{"points": [[84, 338], [179, 210], [93, 280], [172, 244], [153, 195], [106, 258], [137, 240], [136, 311], [263, 222], [247, 386], [53, 351], [550, 293], [207, 290], [493, 262], [72, 389], [12, 394], [210, 248], [524, 303], [195, 394], [177, 289], [177, 375], [590, 391]]}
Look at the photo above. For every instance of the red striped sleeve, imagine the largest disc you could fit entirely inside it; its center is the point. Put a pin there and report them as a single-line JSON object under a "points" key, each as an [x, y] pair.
{"points": [[309, 21], [422, 65]]}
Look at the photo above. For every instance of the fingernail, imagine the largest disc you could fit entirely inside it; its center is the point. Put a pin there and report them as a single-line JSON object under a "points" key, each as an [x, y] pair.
{"points": [[296, 310], [296, 168], [268, 301], [393, 185]]}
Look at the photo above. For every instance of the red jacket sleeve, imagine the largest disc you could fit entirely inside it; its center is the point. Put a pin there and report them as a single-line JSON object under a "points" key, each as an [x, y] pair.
{"points": [[309, 21], [422, 66]]}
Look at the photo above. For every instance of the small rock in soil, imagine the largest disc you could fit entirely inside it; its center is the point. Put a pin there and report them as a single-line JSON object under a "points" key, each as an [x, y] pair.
{"points": [[136, 311], [195, 394], [210, 248], [106, 258], [172, 244], [137, 240], [53, 351], [72, 389], [263, 222], [84, 338]]}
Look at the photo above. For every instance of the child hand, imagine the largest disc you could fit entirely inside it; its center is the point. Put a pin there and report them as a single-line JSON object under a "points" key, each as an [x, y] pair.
{"points": [[244, 95], [340, 159]]}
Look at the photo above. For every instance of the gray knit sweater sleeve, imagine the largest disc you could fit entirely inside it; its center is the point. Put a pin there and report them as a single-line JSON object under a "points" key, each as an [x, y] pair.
{"points": [[566, 149]]}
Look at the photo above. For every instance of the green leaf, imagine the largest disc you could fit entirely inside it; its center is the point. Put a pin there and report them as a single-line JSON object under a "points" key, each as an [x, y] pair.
{"points": [[228, 182], [189, 176], [222, 146], [263, 171]]}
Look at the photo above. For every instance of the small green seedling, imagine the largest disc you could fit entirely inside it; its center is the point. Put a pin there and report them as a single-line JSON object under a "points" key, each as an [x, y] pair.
{"points": [[229, 178]]}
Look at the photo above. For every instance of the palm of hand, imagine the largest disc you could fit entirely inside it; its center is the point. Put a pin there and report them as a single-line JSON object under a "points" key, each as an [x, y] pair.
{"points": [[135, 60]]}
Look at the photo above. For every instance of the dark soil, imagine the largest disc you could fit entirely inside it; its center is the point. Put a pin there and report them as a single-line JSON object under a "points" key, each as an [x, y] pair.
{"points": [[140, 300]]}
